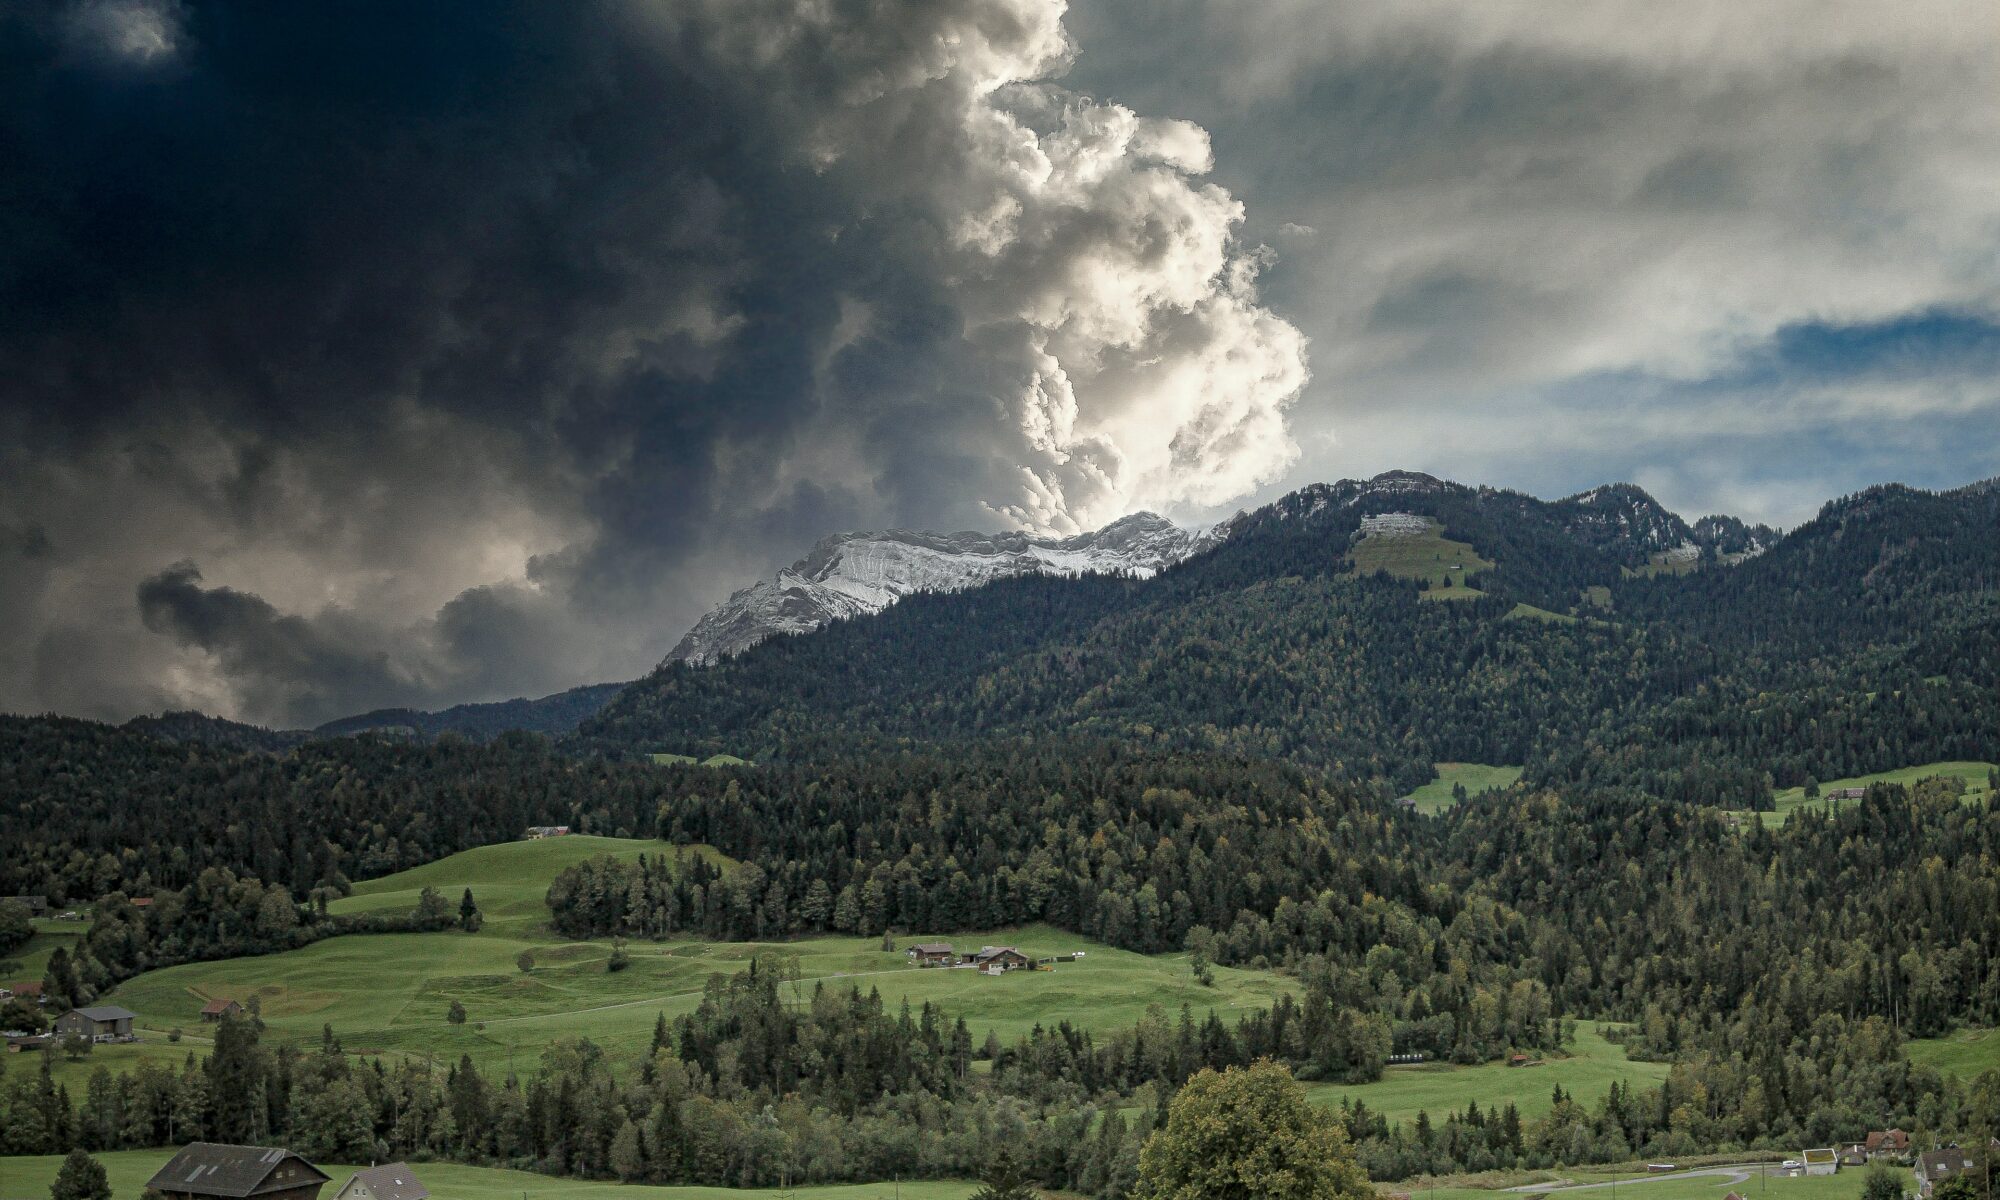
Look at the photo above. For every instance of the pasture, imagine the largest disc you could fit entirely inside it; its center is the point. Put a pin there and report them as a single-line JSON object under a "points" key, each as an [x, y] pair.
{"points": [[129, 1170], [1966, 1053], [1786, 800], [1435, 796], [389, 993], [1429, 556], [1593, 1064]]}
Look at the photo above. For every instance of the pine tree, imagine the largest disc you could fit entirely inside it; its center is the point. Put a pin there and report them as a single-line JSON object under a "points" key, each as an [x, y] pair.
{"points": [[81, 1177]]}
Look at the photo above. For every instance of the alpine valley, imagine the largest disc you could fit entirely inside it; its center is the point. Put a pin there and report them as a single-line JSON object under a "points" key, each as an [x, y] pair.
{"points": [[1346, 804]]}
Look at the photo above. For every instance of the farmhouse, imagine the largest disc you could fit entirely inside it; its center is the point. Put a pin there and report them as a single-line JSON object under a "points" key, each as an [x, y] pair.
{"points": [[933, 954], [211, 1169], [1847, 793], [215, 1010], [1887, 1143], [102, 1023], [1939, 1165], [395, 1181], [537, 832], [1821, 1162], [1855, 1155], [996, 960]]}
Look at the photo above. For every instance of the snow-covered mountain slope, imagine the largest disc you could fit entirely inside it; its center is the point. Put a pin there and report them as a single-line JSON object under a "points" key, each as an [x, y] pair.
{"points": [[852, 574]]}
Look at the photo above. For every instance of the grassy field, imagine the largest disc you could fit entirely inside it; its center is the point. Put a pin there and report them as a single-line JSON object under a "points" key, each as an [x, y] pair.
{"points": [[1974, 773], [1437, 1088], [1588, 1184], [1967, 1053], [1528, 612], [388, 993], [713, 760], [1429, 556], [34, 957], [1435, 796], [130, 1169]]}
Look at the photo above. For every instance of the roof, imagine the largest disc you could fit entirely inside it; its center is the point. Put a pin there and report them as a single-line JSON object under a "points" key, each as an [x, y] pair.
{"points": [[1940, 1163], [931, 948], [215, 1169], [997, 951], [391, 1181], [1887, 1137], [1819, 1156], [217, 1006], [107, 1012]]}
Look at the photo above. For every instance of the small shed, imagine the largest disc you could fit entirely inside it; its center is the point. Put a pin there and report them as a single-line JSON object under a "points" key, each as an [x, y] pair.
{"points": [[215, 1010], [1821, 1162]]}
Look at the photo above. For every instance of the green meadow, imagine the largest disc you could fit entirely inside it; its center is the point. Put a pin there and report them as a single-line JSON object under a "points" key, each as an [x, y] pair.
{"points": [[1435, 796], [1966, 1053], [130, 1169], [34, 957], [1975, 775], [1592, 1065], [389, 993], [1429, 556]]}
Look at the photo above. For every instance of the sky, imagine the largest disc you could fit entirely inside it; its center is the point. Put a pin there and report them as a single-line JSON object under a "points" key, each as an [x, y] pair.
{"points": [[377, 354]]}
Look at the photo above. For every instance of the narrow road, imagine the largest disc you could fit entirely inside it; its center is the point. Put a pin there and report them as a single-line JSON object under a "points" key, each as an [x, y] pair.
{"points": [[1728, 1175]]}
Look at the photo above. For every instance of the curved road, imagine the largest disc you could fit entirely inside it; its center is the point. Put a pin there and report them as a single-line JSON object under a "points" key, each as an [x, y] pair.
{"points": [[1729, 1175]]}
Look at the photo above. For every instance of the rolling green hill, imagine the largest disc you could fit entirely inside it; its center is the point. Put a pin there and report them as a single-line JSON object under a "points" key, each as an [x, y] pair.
{"points": [[389, 992]]}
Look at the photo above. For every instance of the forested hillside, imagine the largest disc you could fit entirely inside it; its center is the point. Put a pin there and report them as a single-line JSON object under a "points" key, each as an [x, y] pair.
{"points": [[1862, 642]]}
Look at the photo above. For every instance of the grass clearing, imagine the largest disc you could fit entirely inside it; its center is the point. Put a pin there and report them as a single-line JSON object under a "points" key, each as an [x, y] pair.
{"points": [[1435, 796], [1966, 1053], [50, 934], [388, 993], [1429, 556], [1528, 612], [1975, 775], [1594, 1063], [130, 1169]]}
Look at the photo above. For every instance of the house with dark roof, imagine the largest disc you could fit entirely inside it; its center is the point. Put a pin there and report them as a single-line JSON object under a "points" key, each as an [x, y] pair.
{"points": [[99, 1023], [1939, 1165], [1854, 1155], [215, 1010], [395, 1181], [932, 954], [210, 1170]]}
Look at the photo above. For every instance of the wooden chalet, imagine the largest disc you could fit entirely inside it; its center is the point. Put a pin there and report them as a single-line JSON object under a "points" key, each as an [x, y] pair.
{"points": [[536, 833], [206, 1170], [1887, 1143], [1939, 1165], [997, 960], [932, 954]]}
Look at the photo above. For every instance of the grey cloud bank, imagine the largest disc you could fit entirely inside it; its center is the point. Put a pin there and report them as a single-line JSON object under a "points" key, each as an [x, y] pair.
{"points": [[375, 355]]}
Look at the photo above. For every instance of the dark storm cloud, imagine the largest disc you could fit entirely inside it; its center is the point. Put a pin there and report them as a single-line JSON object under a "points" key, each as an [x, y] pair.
{"points": [[464, 350]]}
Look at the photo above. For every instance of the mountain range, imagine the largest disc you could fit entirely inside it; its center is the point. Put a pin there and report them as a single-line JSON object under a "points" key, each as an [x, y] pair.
{"points": [[1588, 557]]}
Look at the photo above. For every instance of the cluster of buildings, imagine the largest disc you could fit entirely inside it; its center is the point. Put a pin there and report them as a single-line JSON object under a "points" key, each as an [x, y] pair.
{"points": [[101, 1023], [536, 833], [215, 1171], [990, 960]]}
